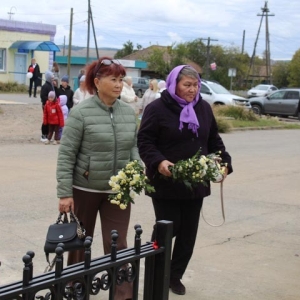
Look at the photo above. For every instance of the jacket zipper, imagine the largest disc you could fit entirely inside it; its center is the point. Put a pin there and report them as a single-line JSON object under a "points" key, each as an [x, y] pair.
{"points": [[115, 150]]}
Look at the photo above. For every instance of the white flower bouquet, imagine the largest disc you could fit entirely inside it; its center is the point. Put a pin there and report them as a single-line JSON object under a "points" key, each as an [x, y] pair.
{"points": [[199, 169], [129, 182]]}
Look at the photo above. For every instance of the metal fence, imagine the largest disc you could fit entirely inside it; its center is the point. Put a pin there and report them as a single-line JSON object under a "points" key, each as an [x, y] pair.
{"points": [[95, 276]]}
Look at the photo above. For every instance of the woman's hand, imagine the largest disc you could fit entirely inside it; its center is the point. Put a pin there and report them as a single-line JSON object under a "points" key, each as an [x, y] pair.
{"points": [[163, 168], [66, 204]]}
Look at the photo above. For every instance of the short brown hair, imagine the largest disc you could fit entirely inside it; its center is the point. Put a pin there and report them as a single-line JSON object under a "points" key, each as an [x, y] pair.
{"points": [[97, 69]]}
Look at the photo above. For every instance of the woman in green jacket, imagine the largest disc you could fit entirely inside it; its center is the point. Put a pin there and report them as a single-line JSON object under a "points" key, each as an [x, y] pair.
{"points": [[99, 139]]}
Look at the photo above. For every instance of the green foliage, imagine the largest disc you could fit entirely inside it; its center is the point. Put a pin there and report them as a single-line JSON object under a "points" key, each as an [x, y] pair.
{"points": [[12, 87], [294, 70], [224, 125], [158, 63], [235, 112], [280, 73], [126, 50]]}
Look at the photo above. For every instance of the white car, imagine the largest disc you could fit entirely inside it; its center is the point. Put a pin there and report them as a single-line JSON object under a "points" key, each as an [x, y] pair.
{"points": [[261, 90], [216, 94]]}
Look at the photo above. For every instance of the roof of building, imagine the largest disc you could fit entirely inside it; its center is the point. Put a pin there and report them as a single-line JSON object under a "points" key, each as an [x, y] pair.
{"points": [[144, 53], [35, 45], [29, 27]]}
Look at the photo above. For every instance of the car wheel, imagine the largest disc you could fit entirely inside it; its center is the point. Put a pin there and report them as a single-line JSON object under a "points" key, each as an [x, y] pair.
{"points": [[139, 94], [256, 109]]}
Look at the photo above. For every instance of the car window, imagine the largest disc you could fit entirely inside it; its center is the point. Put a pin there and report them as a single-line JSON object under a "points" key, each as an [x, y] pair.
{"points": [[204, 89], [273, 88], [218, 89], [292, 95], [261, 87], [277, 95]]}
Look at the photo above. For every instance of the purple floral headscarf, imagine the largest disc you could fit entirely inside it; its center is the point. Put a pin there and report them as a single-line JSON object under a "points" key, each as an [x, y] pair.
{"points": [[187, 114]]}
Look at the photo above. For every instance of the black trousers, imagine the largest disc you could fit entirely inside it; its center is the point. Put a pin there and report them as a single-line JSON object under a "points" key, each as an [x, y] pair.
{"points": [[33, 81], [44, 128], [185, 215]]}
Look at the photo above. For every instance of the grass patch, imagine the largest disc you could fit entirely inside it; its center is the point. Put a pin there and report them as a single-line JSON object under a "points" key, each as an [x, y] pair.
{"points": [[229, 117], [13, 87]]}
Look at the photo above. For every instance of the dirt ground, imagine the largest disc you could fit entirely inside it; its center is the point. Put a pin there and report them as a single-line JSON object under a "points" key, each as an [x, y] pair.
{"points": [[20, 123]]}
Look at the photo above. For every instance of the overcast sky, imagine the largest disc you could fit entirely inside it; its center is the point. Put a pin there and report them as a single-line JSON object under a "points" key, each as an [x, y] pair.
{"points": [[165, 22]]}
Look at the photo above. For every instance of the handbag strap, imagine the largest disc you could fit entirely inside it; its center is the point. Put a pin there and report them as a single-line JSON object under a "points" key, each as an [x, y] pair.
{"points": [[222, 208]]}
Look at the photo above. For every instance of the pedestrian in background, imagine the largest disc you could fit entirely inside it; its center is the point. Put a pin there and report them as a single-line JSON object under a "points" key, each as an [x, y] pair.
{"points": [[62, 100], [150, 95], [53, 118], [65, 89], [55, 69], [128, 94], [81, 93], [33, 68], [46, 88], [161, 86], [174, 127], [98, 140]]}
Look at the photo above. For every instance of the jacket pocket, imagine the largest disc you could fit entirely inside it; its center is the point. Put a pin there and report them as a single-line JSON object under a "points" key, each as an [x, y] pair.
{"points": [[86, 169]]}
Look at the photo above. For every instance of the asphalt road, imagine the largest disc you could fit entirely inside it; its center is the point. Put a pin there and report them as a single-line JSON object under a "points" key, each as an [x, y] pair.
{"points": [[254, 255]]}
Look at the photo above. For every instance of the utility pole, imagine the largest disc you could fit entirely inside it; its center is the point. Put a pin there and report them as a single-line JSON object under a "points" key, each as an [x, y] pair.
{"points": [[243, 43], [88, 33], [208, 55], [266, 11], [95, 39], [10, 13], [70, 42]]}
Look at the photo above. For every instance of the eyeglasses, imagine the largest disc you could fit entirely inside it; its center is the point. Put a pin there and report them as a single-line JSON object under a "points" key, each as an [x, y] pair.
{"points": [[107, 62]]}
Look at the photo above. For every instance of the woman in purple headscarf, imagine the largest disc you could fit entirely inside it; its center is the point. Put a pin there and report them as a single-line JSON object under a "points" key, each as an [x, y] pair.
{"points": [[175, 127]]}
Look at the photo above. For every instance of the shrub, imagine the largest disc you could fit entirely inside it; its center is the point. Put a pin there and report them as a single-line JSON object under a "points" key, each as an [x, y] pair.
{"points": [[13, 87], [223, 125], [235, 112]]}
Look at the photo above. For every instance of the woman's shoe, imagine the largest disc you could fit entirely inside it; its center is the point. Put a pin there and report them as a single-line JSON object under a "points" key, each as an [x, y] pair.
{"points": [[176, 286]]}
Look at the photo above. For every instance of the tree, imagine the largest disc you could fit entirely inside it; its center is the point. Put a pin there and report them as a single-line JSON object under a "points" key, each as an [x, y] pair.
{"points": [[157, 62], [294, 70], [126, 50], [280, 71]]}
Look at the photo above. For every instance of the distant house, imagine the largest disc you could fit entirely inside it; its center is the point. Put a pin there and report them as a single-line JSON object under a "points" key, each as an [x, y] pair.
{"points": [[79, 61], [21, 41], [143, 54]]}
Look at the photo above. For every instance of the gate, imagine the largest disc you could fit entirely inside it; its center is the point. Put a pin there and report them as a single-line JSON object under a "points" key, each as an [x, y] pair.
{"points": [[94, 276]]}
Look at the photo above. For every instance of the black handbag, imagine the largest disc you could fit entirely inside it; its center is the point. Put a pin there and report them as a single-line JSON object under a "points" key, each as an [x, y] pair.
{"points": [[70, 233]]}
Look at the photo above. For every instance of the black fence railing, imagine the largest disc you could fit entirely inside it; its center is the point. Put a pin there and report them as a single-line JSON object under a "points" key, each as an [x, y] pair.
{"points": [[94, 276]]}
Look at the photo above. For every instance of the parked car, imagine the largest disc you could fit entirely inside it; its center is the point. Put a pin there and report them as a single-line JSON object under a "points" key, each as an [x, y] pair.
{"points": [[216, 94], [284, 102], [261, 90], [140, 85]]}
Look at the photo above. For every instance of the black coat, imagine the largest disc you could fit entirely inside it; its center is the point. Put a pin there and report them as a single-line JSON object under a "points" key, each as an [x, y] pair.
{"points": [[46, 88], [159, 138], [36, 72], [68, 92]]}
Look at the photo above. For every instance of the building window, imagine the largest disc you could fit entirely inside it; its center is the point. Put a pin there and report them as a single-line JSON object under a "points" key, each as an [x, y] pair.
{"points": [[2, 60]]}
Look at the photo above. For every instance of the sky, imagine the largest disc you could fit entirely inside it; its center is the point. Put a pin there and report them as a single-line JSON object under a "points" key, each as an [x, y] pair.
{"points": [[168, 22]]}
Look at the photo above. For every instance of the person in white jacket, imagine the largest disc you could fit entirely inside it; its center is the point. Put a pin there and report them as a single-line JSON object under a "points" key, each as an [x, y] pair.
{"points": [[81, 93], [128, 95], [150, 95]]}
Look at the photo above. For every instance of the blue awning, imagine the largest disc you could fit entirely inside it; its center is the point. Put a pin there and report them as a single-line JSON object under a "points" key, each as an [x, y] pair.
{"points": [[38, 46]]}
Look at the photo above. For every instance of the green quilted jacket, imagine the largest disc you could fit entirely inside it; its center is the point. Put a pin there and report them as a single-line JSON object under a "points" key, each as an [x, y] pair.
{"points": [[97, 142]]}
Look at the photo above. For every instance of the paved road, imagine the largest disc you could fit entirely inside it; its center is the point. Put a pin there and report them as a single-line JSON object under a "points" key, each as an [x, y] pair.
{"points": [[254, 255]]}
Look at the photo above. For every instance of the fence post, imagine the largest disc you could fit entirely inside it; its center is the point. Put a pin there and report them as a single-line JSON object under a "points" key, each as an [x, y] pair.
{"points": [[137, 248], [162, 263]]}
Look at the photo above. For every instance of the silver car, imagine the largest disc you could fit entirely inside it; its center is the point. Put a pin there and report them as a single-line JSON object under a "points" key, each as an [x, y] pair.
{"points": [[261, 90], [283, 102]]}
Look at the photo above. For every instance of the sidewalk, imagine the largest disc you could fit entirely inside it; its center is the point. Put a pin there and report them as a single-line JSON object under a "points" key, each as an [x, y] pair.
{"points": [[254, 255]]}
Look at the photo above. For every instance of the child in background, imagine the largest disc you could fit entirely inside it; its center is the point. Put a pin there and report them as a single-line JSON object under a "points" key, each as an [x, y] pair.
{"points": [[62, 100], [53, 117]]}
